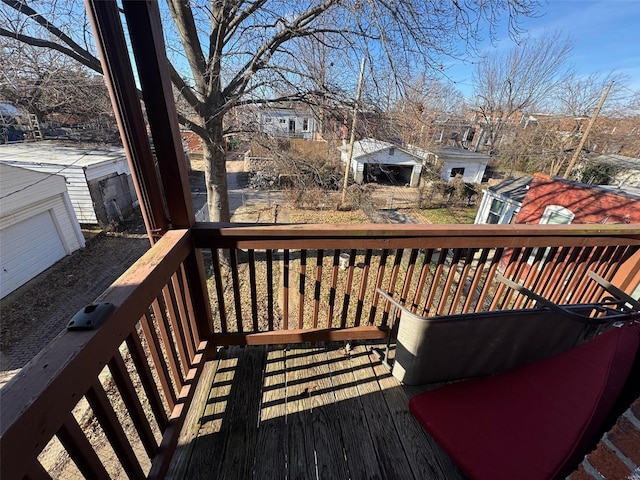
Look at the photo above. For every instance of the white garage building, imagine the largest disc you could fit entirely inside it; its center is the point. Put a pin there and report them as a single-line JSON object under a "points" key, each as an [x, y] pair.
{"points": [[38, 226], [98, 178], [378, 161]]}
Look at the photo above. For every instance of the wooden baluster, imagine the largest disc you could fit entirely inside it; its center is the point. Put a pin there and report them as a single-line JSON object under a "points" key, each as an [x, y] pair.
{"points": [[347, 289], [477, 275], [270, 306], [424, 273], [332, 288], [379, 278], [112, 427], [302, 280], [130, 398], [363, 286], [317, 289], [168, 344], [253, 288], [217, 275], [143, 370], [80, 450]]}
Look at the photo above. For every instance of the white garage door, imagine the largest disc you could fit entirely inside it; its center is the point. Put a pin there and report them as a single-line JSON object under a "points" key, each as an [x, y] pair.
{"points": [[26, 249]]}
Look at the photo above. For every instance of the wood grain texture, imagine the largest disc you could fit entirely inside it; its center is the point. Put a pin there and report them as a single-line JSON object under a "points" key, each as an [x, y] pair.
{"points": [[300, 441], [325, 412], [270, 458]]}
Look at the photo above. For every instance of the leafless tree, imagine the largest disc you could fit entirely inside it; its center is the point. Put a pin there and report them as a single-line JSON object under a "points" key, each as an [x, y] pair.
{"points": [[230, 53], [519, 80], [578, 95], [45, 83]]}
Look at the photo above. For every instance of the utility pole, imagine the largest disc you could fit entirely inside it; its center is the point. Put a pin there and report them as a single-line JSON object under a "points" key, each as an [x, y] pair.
{"points": [[352, 138], [574, 159]]}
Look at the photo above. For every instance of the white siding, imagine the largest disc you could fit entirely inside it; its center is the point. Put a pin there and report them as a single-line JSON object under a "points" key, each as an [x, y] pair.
{"points": [[28, 248], [77, 165], [76, 186], [377, 152], [37, 224], [509, 209], [473, 171]]}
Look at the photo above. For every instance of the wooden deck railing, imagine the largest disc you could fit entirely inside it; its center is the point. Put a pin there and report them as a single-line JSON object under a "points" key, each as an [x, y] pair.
{"points": [[291, 283], [113, 398], [101, 402]]}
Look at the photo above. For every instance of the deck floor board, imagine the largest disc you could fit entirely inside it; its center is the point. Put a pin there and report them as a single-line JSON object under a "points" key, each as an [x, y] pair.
{"points": [[306, 412]]}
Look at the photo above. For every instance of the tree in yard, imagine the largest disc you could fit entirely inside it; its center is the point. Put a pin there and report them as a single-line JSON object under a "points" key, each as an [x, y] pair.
{"points": [[522, 79], [232, 53], [423, 102], [44, 83]]}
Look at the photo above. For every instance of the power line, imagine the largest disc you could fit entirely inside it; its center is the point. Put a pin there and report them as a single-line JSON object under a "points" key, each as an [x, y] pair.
{"points": [[48, 175]]}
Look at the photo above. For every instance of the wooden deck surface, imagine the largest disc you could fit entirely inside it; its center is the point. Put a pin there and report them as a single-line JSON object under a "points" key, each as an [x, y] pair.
{"points": [[304, 413]]}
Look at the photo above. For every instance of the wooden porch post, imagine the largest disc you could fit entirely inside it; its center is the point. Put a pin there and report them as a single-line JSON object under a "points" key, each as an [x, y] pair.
{"points": [[145, 32], [118, 74], [147, 41]]}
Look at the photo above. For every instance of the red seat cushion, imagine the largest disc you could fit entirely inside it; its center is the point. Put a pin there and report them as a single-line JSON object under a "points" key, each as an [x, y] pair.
{"points": [[535, 421]]}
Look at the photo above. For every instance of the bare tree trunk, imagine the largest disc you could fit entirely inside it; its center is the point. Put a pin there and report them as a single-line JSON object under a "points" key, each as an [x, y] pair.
{"points": [[216, 172]]}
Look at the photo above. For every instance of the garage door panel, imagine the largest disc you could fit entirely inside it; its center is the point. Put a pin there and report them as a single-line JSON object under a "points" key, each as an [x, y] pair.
{"points": [[28, 248]]}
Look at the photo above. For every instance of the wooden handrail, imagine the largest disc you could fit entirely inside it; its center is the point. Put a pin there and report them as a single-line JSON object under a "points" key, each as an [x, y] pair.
{"points": [[36, 403], [440, 269], [311, 236]]}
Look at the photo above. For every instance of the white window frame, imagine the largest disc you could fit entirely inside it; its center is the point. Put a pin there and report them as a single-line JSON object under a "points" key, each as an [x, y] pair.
{"points": [[549, 211], [557, 211], [498, 213]]}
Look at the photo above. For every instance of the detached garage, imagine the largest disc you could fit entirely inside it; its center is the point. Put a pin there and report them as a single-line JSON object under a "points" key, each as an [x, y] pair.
{"points": [[382, 162], [98, 178], [38, 226]]}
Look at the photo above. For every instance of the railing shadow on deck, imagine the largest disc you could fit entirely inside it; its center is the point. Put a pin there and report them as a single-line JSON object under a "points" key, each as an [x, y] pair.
{"points": [[305, 412]]}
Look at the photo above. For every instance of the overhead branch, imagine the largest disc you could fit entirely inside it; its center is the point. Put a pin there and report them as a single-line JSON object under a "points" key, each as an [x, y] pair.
{"points": [[73, 49], [295, 29], [186, 91], [90, 62]]}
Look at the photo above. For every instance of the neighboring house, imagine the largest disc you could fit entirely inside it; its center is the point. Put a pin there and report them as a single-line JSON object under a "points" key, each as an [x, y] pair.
{"points": [[501, 203], [627, 169], [378, 161], [98, 178], [449, 129], [38, 226], [559, 201], [288, 122], [455, 161]]}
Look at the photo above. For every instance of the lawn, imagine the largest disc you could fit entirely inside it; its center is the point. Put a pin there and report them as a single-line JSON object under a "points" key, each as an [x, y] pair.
{"points": [[449, 214]]}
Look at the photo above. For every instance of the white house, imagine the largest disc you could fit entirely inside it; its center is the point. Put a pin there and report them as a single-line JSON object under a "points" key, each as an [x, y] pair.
{"points": [[37, 225], [456, 161], [501, 203], [98, 179], [375, 160], [287, 122]]}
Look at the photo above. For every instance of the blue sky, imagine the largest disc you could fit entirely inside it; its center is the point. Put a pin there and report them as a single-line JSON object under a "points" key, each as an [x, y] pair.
{"points": [[605, 36]]}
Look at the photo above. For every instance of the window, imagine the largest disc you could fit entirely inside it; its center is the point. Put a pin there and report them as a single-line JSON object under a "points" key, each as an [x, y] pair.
{"points": [[553, 215], [457, 171], [305, 125], [282, 120], [267, 120], [392, 150], [495, 211], [556, 215]]}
